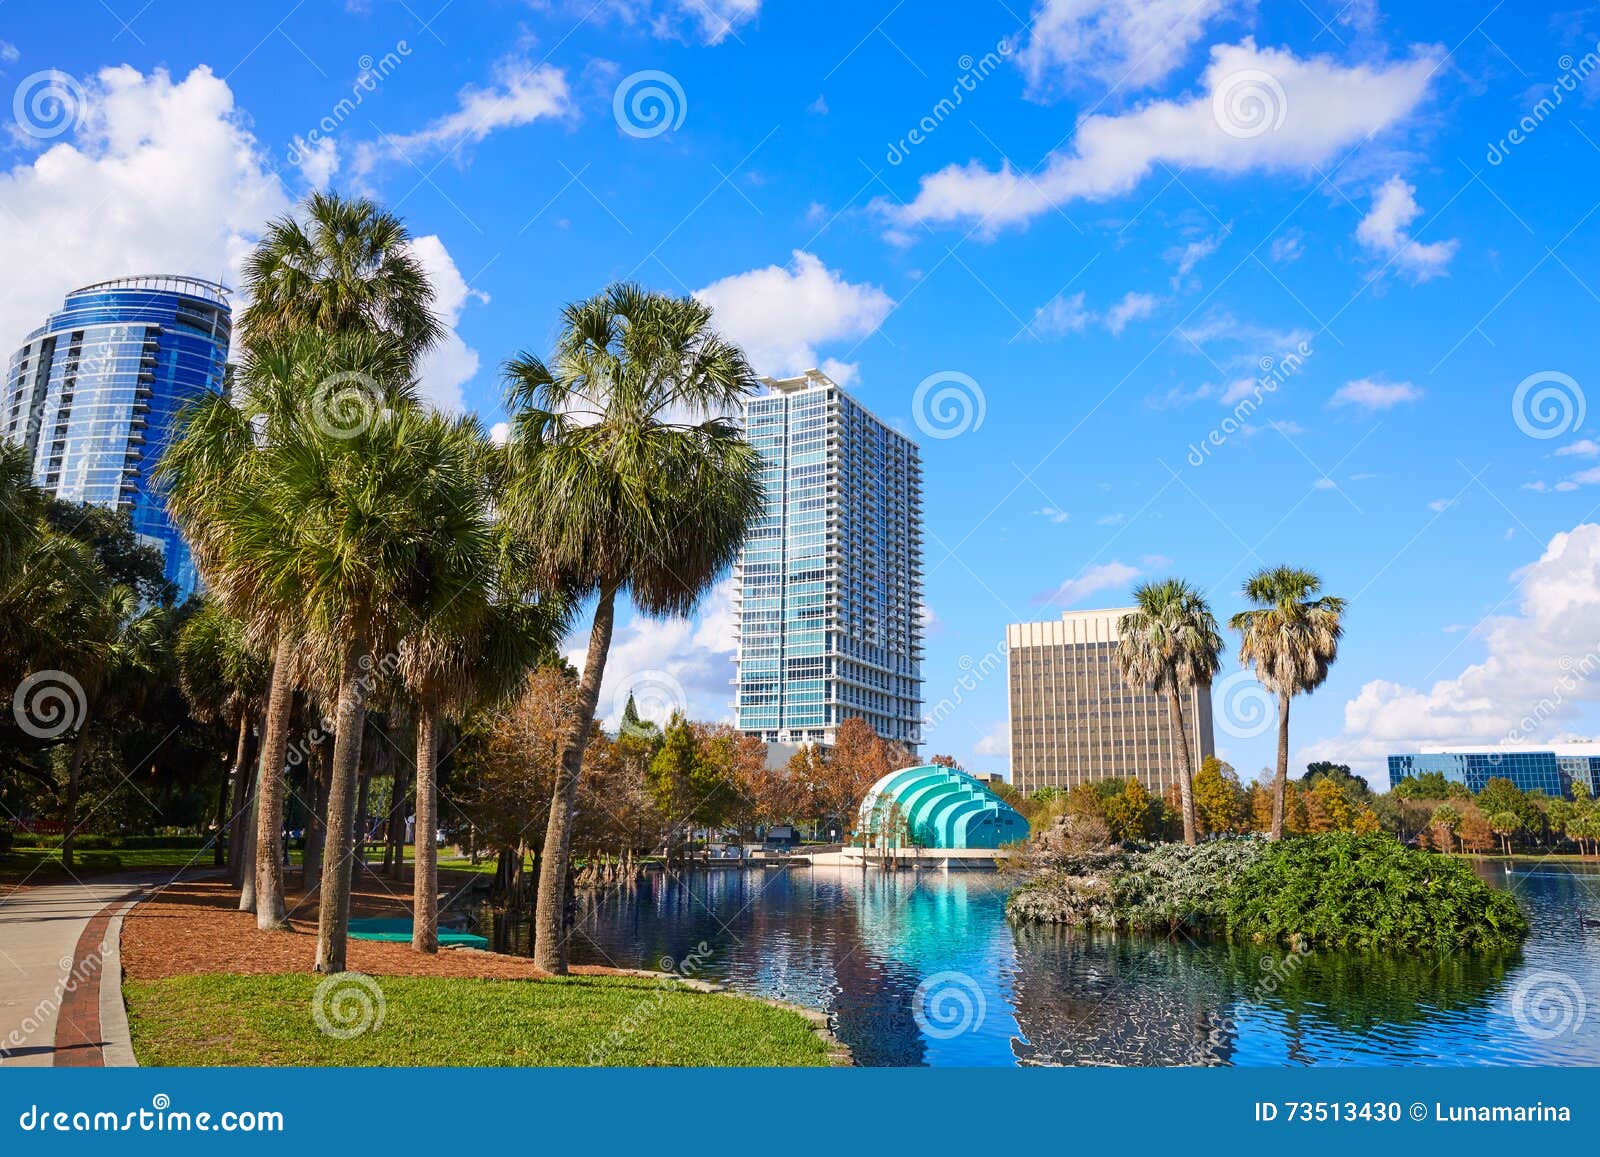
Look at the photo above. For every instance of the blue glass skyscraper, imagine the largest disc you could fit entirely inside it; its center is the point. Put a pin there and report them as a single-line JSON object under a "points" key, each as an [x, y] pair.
{"points": [[93, 392], [829, 585]]}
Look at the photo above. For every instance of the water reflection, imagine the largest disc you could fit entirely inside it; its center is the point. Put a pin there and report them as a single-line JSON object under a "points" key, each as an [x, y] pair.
{"points": [[860, 943]]}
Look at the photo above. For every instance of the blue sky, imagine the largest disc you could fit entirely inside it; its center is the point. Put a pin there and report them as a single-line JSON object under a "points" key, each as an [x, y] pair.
{"points": [[1127, 220]]}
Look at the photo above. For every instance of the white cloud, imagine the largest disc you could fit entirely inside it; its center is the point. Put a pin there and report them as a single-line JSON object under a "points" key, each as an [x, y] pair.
{"points": [[1132, 307], [1243, 344], [162, 175], [452, 363], [682, 663], [521, 94], [1053, 514], [9, 53], [1061, 315], [1385, 230], [1186, 257], [1117, 519], [1093, 579], [1128, 44], [1440, 505], [165, 176], [781, 314], [710, 21], [1585, 448], [317, 161], [1536, 677], [1287, 247], [1370, 395], [1308, 112], [996, 742]]}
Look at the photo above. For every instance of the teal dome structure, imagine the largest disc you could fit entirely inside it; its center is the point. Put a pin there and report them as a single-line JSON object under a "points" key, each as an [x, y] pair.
{"points": [[937, 807]]}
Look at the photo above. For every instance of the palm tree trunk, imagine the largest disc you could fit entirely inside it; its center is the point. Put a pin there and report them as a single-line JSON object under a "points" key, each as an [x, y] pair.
{"points": [[317, 824], [80, 751], [333, 914], [270, 911], [247, 856], [224, 816], [1185, 766], [363, 826], [395, 855], [549, 921], [1280, 781], [241, 832], [425, 882]]}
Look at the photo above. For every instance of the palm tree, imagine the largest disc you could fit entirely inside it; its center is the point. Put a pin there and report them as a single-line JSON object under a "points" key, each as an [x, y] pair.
{"points": [[349, 267], [1291, 638], [223, 679], [1171, 644], [474, 652], [470, 638], [118, 656], [299, 400], [627, 478]]}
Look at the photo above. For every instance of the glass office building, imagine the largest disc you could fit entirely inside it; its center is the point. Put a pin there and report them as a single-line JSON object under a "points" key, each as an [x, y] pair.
{"points": [[93, 392], [829, 584], [1549, 770]]}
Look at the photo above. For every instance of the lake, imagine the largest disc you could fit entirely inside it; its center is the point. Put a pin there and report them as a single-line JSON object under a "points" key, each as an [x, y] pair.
{"points": [[923, 969]]}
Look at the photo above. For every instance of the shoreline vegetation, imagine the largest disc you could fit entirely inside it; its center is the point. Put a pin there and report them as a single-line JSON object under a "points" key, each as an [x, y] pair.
{"points": [[1336, 890]]}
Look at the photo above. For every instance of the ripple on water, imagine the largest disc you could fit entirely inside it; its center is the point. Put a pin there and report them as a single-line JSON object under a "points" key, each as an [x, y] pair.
{"points": [[922, 968]]}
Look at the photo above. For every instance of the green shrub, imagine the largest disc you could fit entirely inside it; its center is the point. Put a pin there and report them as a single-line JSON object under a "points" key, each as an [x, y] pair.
{"points": [[1326, 891], [1347, 891], [6, 838]]}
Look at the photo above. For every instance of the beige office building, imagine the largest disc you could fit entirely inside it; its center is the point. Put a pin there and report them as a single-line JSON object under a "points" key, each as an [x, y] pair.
{"points": [[1074, 719]]}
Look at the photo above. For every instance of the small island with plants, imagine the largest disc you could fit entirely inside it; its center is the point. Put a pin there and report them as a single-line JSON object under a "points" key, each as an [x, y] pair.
{"points": [[1336, 890]]}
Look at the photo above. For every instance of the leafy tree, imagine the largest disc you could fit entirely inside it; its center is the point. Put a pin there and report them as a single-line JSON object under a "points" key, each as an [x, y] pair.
{"points": [[1221, 803], [626, 479], [1170, 644], [1476, 834], [1505, 824], [1130, 813], [1291, 638], [949, 761], [1355, 787]]}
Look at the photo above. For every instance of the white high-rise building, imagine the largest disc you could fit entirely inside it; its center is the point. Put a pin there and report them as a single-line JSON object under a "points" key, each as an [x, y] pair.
{"points": [[829, 586]]}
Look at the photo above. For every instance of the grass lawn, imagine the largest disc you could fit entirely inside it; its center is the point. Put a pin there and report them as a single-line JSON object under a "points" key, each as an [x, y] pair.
{"points": [[43, 865], [584, 1020]]}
